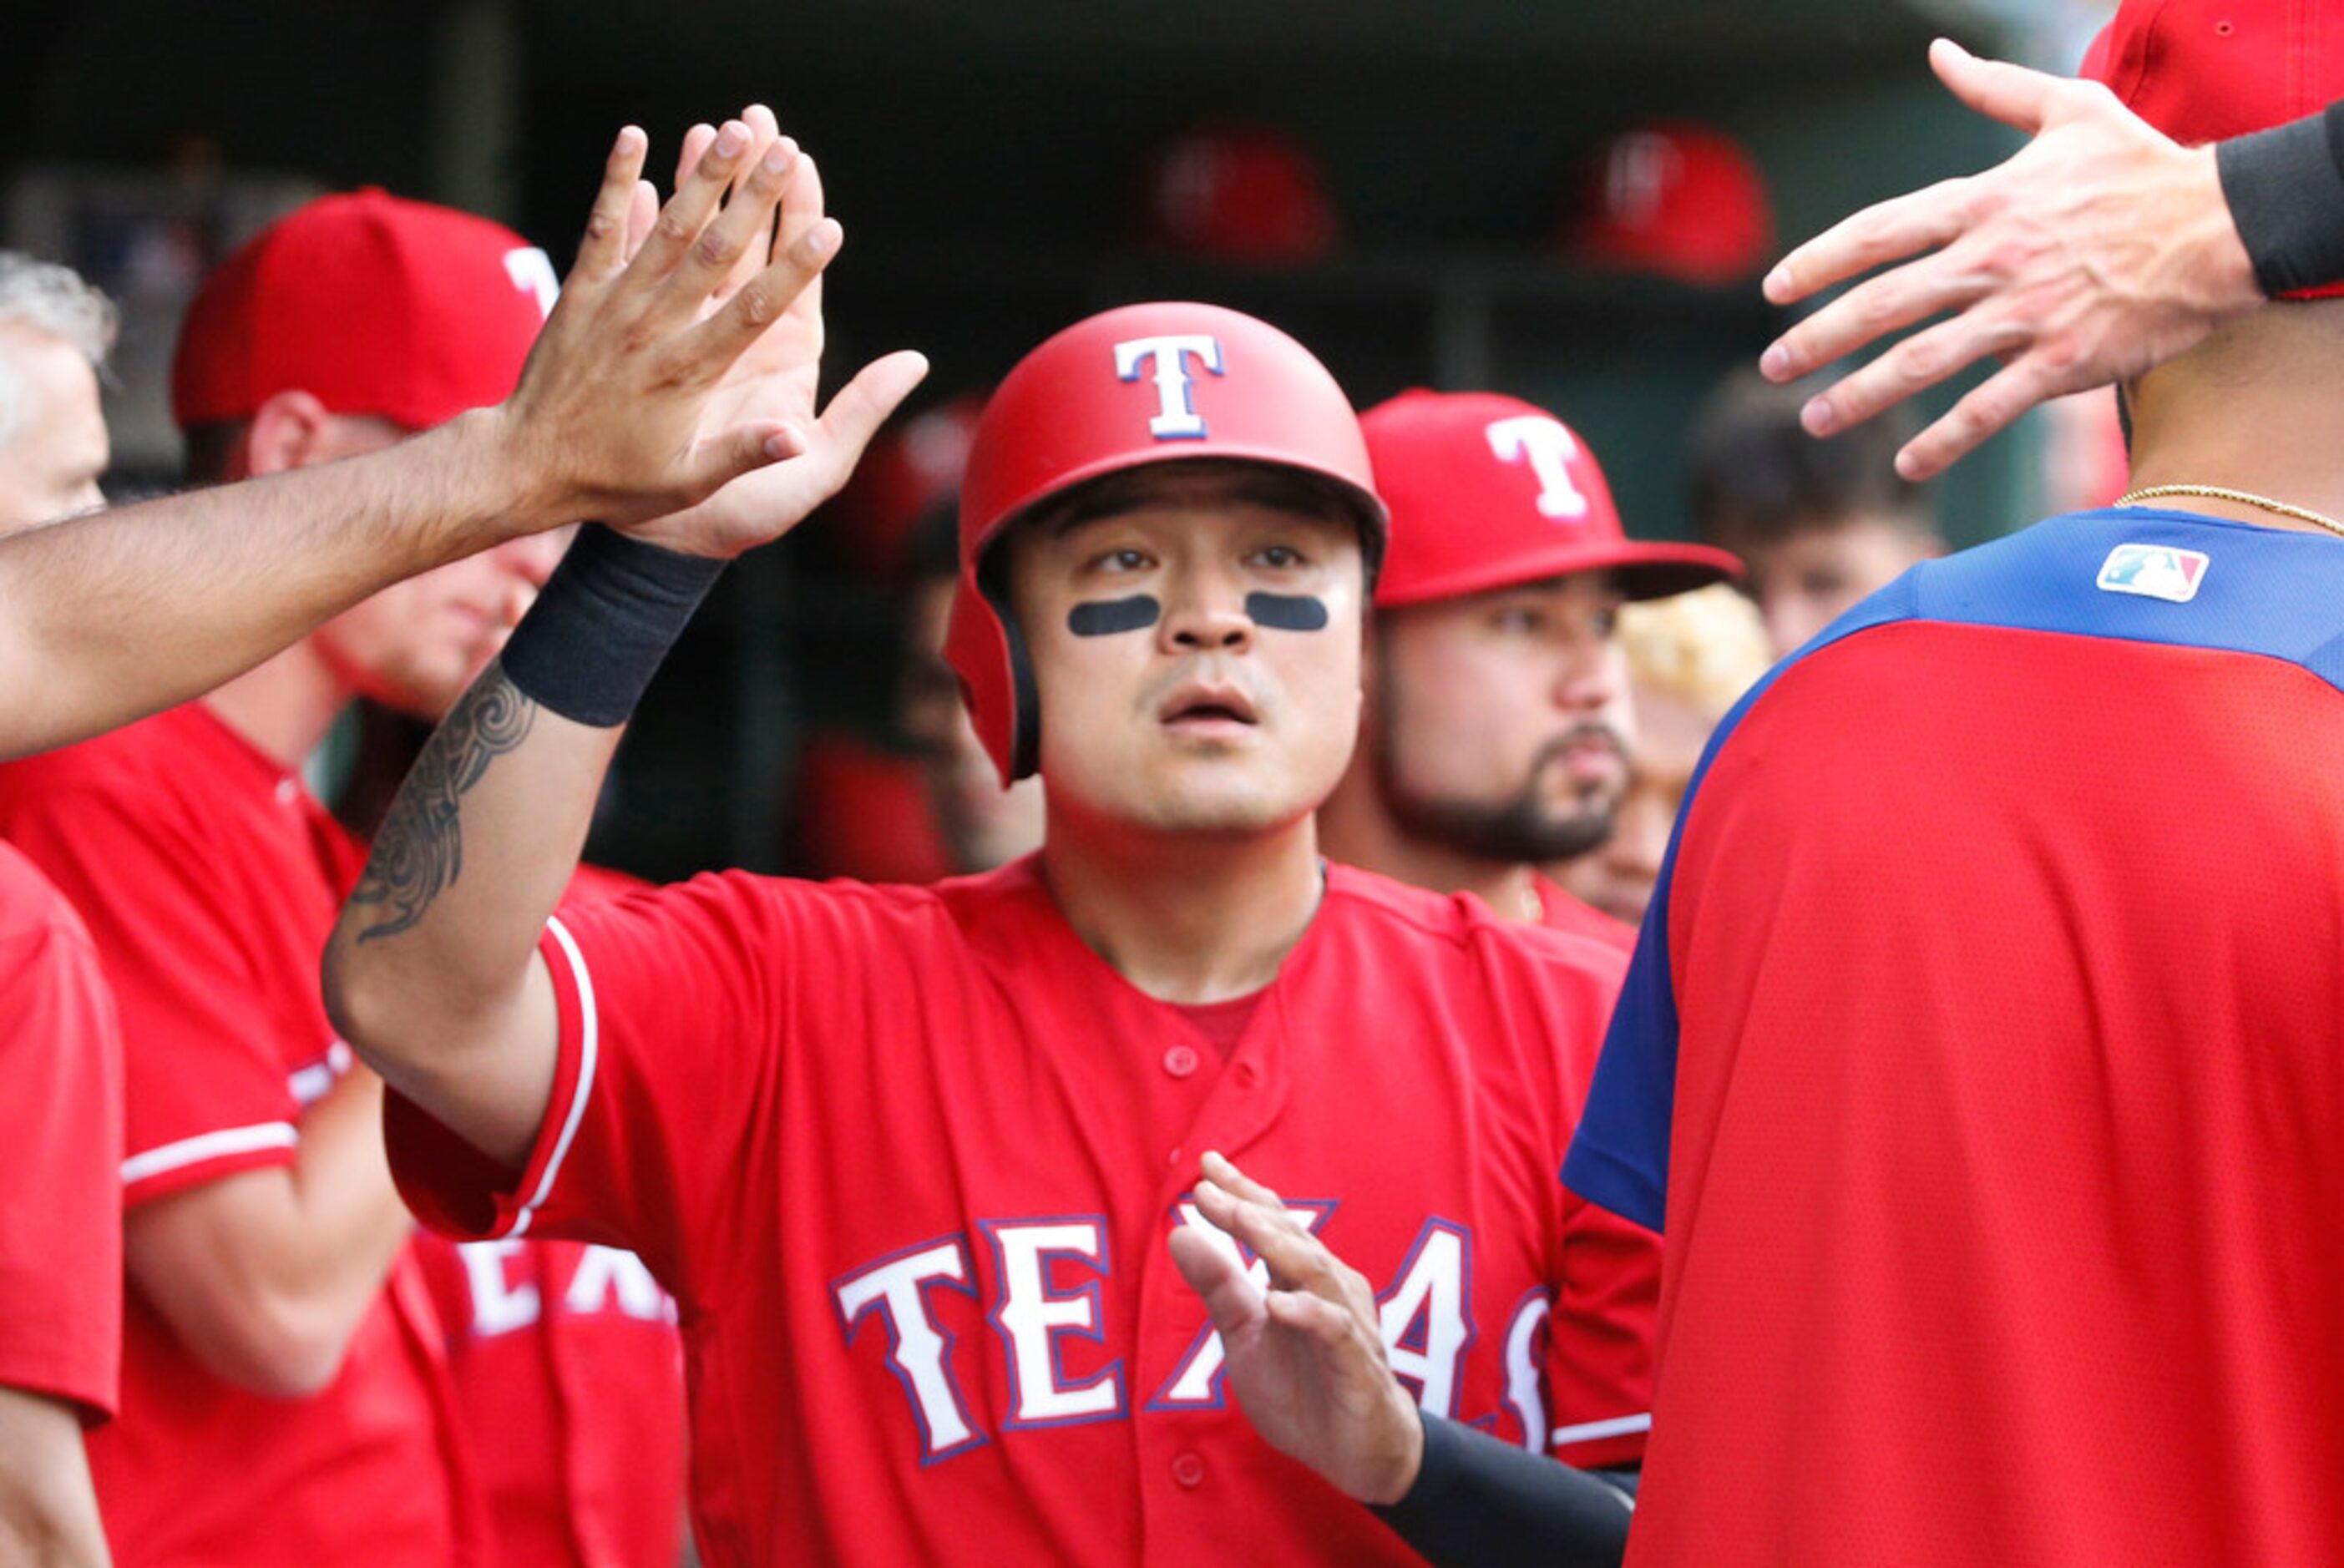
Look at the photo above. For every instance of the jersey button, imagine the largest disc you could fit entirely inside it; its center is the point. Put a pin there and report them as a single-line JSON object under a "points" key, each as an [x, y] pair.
{"points": [[1188, 1470], [1180, 1061]]}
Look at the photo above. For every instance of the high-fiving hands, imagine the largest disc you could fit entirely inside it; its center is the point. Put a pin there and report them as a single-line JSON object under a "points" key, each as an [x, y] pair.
{"points": [[673, 392], [1306, 1357]]}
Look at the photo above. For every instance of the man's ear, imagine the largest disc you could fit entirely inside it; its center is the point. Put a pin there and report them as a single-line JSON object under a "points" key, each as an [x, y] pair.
{"points": [[287, 431]]}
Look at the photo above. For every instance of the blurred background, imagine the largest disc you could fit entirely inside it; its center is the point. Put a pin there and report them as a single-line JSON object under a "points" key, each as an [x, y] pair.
{"points": [[1566, 200]]}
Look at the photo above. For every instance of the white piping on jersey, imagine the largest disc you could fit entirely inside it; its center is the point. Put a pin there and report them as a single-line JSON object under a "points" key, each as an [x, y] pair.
{"points": [[312, 1083], [588, 1027], [1589, 1430], [208, 1146]]}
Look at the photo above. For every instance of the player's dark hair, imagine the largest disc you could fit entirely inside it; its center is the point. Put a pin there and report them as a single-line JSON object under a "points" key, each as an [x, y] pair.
{"points": [[1756, 475], [1275, 484]]}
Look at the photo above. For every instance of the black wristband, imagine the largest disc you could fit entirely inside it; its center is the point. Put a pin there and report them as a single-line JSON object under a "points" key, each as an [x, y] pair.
{"points": [[2285, 188], [595, 637], [1479, 1503]]}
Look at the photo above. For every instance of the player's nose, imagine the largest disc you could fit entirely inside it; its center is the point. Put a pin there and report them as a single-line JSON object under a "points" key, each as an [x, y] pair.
{"points": [[1207, 611]]}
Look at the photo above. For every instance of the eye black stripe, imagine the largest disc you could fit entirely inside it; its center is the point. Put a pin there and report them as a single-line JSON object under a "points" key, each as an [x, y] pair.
{"points": [[1111, 616]]}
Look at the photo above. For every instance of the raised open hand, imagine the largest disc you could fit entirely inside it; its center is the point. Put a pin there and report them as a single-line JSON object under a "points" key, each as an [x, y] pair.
{"points": [[776, 381], [2098, 249], [617, 415]]}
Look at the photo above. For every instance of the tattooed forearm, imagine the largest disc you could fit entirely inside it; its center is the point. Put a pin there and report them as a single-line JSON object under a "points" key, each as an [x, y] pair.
{"points": [[419, 852]]}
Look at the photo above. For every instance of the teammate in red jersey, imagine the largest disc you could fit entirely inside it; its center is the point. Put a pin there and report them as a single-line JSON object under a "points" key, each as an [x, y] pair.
{"points": [[60, 1049], [261, 1224], [1498, 725], [260, 1221], [2002, 1181], [907, 1156]]}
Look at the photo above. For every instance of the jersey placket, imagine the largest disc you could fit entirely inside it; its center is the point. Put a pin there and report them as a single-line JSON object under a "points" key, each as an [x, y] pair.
{"points": [[1182, 1449]]}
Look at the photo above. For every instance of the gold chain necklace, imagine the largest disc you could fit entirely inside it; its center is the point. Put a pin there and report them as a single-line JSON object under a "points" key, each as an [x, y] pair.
{"points": [[2241, 497]]}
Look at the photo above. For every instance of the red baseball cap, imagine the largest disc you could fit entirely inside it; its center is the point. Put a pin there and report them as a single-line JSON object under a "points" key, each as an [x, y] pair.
{"points": [[1239, 193], [372, 304], [2206, 70], [1679, 199], [1487, 491]]}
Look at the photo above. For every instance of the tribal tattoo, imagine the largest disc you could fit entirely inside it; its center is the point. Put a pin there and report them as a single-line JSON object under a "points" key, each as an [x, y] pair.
{"points": [[420, 852]]}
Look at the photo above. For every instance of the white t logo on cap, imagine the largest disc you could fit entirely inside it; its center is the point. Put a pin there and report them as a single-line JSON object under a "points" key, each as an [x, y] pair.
{"points": [[1177, 416], [1549, 448], [532, 271]]}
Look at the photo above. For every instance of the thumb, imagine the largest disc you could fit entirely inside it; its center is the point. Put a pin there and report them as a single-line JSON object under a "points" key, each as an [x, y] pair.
{"points": [[720, 459], [2018, 97], [863, 404]]}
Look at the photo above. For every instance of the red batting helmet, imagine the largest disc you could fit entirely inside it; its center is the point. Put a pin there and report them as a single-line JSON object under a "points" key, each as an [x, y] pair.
{"points": [[1142, 384], [1488, 491]]}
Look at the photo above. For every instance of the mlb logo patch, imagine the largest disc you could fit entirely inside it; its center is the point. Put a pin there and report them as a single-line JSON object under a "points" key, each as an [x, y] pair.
{"points": [[2154, 571]]}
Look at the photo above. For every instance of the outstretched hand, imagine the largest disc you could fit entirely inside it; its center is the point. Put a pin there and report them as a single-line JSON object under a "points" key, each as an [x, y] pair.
{"points": [[1306, 1357], [776, 379], [2098, 249], [626, 410]]}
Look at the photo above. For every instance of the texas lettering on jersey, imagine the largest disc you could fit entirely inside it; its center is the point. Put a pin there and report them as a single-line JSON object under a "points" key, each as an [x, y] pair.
{"points": [[1046, 1295]]}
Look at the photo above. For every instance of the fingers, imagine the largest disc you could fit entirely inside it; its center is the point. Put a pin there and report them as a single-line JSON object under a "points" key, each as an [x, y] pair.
{"points": [[1984, 409], [603, 250], [696, 143], [1220, 1171], [762, 300], [2018, 97], [1884, 231], [687, 211], [1889, 303], [713, 258], [642, 211], [1230, 1298], [1921, 360], [1297, 1260]]}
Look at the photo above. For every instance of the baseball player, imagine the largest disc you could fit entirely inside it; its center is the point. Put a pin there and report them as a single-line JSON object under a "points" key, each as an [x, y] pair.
{"points": [[60, 1050], [1981, 1057], [1498, 726], [906, 1156], [260, 1228]]}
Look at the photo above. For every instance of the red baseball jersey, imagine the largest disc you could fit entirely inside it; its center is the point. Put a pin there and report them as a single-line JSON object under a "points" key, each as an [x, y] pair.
{"points": [[908, 1156], [208, 878], [60, 1123], [1983, 1051], [1561, 909]]}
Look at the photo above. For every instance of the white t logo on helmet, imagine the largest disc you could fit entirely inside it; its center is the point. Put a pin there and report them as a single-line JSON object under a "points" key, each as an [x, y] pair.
{"points": [[1176, 417], [1549, 449], [532, 271]]}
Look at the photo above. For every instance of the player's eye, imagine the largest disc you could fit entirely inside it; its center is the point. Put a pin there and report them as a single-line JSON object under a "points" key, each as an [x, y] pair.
{"points": [[1119, 561], [1520, 619], [1278, 557]]}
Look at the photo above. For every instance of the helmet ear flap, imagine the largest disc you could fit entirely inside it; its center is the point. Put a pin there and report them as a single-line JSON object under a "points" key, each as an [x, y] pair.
{"points": [[1024, 701], [983, 645]]}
